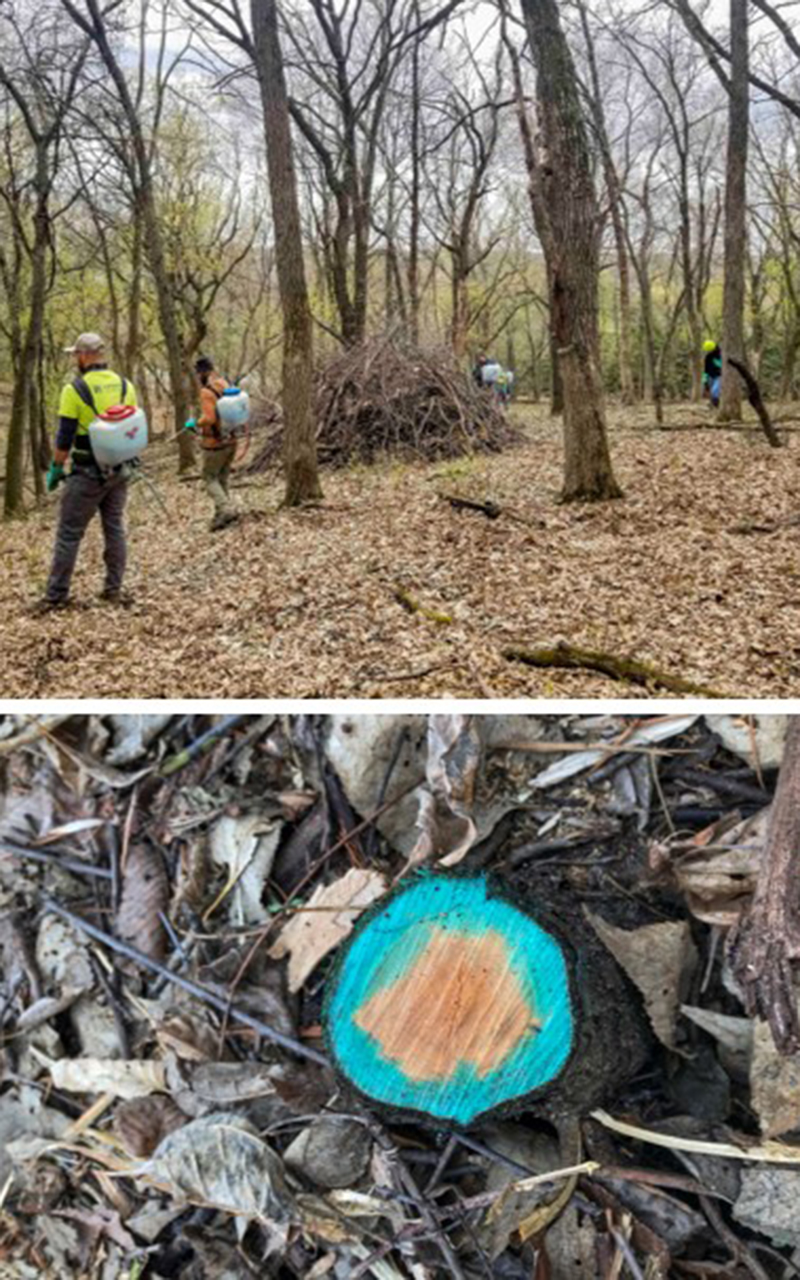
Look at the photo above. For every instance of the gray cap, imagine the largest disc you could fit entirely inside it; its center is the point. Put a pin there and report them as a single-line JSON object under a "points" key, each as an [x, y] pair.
{"points": [[86, 342]]}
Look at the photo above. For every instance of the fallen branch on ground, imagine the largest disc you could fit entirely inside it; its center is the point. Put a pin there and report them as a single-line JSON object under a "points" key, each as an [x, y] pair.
{"points": [[489, 509], [412, 605], [192, 988], [770, 526], [571, 658]]}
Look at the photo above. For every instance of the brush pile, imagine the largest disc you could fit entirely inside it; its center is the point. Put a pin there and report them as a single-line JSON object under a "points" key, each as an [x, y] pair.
{"points": [[386, 399]]}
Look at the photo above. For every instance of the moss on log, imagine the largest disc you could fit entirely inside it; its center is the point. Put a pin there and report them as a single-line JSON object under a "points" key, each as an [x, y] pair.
{"points": [[571, 658]]}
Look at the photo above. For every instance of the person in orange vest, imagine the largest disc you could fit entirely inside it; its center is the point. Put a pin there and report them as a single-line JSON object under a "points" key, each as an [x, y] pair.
{"points": [[218, 453]]}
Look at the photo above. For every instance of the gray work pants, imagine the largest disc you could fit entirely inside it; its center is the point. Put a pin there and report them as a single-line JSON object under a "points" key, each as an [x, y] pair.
{"points": [[87, 492]]}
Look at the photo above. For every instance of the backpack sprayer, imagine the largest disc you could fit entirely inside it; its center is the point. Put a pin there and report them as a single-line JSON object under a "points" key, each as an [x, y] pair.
{"points": [[118, 436]]}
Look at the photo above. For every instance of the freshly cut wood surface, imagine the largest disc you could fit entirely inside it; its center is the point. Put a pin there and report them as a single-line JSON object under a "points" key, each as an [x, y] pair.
{"points": [[461, 1001], [450, 1000]]}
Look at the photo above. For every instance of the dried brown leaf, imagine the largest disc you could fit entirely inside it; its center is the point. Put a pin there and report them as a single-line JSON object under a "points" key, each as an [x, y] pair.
{"points": [[188, 1036], [774, 1084], [145, 893], [134, 1079], [659, 959], [141, 1124], [446, 823], [331, 912]]}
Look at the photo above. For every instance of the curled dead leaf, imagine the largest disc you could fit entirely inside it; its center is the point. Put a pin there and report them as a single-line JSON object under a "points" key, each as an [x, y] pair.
{"points": [[219, 1161]]}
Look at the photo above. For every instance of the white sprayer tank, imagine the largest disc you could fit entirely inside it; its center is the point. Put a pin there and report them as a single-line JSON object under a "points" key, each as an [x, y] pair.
{"points": [[233, 411], [118, 435]]}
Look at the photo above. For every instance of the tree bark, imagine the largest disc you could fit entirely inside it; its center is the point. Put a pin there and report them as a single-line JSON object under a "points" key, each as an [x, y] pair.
{"points": [[300, 446], [730, 407], [767, 942], [22, 400], [614, 188], [572, 211]]}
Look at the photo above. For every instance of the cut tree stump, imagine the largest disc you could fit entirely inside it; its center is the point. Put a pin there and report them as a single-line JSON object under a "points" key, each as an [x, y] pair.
{"points": [[450, 1001], [458, 996]]}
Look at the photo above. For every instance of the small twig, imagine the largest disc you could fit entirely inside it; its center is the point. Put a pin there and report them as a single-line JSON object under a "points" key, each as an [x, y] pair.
{"points": [[731, 1241], [628, 1254], [401, 740], [126, 836], [441, 1165], [193, 988], [428, 1215], [182, 758], [74, 865]]}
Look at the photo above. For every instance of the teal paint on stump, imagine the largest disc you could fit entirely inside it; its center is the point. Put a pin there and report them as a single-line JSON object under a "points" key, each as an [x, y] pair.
{"points": [[491, 982]]}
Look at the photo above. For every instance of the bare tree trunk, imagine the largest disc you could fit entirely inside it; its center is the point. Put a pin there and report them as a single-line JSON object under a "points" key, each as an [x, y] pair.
{"points": [[614, 188], [541, 216], [416, 170], [730, 406], [23, 396], [572, 210], [459, 328], [300, 446], [765, 946]]}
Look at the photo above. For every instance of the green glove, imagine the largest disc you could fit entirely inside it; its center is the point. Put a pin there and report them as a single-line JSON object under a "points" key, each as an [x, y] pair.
{"points": [[55, 474], [190, 424]]}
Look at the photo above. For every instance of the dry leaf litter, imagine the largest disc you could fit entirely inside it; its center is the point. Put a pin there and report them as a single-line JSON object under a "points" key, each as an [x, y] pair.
{"points": [[389, 590], [168, 1111]]}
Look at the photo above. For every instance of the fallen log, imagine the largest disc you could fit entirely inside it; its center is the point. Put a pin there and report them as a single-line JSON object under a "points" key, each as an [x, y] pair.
{"points": [[770, 526], [458, 996], [757, 401], [489, 509], [571, 658]]}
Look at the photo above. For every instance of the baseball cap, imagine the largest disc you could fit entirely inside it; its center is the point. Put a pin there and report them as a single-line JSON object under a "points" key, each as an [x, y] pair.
{"points": [[86, 342]]}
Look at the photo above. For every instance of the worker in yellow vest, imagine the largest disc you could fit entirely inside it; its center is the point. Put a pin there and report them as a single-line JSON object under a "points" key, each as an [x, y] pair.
{"points": [[89, 489]]}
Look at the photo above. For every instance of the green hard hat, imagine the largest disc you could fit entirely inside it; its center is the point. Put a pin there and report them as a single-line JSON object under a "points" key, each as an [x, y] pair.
{"points": [[709, 345]]}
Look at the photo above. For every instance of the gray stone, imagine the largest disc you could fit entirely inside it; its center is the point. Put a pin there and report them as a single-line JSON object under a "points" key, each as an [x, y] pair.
{"points": [[769, 1202]]}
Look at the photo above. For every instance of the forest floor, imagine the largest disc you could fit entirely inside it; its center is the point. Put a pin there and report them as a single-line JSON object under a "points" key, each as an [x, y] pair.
{"points": [[305, 603], [178, 893]]}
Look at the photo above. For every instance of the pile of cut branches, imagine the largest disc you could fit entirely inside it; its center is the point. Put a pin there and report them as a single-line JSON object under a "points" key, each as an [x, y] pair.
{"points": [[387, 398]]}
